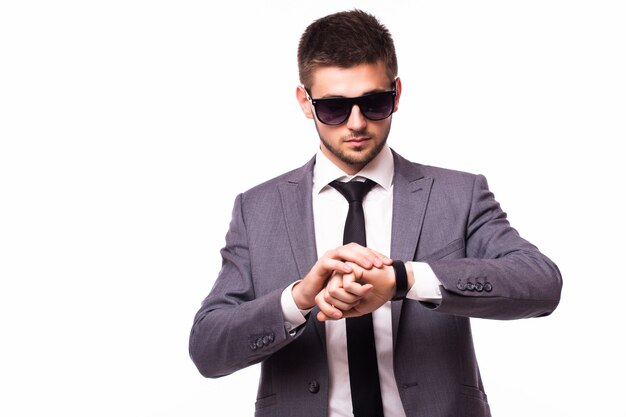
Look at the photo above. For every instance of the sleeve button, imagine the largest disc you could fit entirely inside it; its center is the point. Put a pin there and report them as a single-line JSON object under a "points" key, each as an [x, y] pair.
{"points": [[314, 387]]}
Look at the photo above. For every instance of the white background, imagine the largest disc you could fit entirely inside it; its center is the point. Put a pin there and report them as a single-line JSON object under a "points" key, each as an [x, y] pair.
{"points": [[128, 127]]}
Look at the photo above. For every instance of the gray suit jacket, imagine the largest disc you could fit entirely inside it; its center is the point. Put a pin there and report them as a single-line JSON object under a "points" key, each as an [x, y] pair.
{"points": [[446, 218]]}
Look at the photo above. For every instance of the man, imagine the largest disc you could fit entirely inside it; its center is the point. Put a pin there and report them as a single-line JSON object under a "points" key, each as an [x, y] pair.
{"points": [[438, 250]]}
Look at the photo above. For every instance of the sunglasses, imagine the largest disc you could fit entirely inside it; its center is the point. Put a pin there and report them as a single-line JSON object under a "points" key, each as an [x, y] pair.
{"points": [[335, 111]]}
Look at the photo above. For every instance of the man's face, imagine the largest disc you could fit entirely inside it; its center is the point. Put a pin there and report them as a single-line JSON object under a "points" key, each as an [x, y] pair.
{"points": [[355, 142]]}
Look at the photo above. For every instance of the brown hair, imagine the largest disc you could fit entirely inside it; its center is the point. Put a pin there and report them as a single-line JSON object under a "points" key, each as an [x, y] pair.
{"points": [[345, 39]]}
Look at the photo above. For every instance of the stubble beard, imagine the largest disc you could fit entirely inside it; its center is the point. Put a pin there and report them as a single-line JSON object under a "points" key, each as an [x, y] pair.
{"points": [[355, 158]]}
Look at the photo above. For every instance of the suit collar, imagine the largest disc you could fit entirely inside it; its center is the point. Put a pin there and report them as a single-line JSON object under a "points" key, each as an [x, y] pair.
{"points": [[380, 170]]}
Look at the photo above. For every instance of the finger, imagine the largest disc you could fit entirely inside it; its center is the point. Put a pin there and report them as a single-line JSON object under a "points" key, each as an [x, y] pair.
{"points": [[358, 311], [379, 259], [351, 314], [352, 280], [339, 303], [360, 255], [358, 290], [327, 265], [363, 256], [315, 280], [323, 317], [384, 259], [326, 308], [334, 292]]}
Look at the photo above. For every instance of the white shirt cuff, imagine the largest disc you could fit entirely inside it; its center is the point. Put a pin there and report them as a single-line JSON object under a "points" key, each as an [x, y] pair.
{"points": [[293, 317], [426, 286]]}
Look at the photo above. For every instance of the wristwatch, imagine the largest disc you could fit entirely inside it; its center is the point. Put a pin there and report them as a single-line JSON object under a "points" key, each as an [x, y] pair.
{"points": [[402, 281]]}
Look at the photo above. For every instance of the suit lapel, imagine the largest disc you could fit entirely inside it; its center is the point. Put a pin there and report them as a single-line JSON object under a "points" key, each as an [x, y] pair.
{"points": [[297, 206], [411, 191]]}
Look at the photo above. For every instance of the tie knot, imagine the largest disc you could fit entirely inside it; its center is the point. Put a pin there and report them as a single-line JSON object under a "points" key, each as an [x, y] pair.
{"points": [[353, 190]]}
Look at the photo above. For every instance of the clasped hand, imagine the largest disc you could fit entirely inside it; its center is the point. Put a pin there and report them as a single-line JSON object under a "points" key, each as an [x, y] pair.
{"points": [[356, 293], [348, 281]]}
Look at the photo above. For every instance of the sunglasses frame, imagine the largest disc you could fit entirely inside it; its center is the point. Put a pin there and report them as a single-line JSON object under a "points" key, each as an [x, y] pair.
{"points": [[352, 101]]}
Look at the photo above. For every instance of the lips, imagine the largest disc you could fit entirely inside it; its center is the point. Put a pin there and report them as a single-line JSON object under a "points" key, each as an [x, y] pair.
{"points": [[357, 141]]}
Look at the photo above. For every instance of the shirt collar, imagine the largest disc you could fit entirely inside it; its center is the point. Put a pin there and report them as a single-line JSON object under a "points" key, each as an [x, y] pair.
{"points": [[380, 170]]}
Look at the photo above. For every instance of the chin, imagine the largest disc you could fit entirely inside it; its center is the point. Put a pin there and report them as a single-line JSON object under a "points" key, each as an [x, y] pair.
{"points": [[357, 157]]}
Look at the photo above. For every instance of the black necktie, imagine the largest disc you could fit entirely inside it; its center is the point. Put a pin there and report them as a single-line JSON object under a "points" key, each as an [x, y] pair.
{"points": [[362, 363]]}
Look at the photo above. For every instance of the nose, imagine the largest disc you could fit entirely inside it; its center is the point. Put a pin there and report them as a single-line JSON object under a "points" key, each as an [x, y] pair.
{"points": [[356, 121]]}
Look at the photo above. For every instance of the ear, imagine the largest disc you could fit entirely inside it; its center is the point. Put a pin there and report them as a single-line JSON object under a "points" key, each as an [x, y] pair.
{"points": [[304, 102], [398, 92]]}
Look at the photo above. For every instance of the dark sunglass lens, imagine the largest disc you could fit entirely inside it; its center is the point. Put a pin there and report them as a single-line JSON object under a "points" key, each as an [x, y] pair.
{"points": [[332, 111], [377, 106]]}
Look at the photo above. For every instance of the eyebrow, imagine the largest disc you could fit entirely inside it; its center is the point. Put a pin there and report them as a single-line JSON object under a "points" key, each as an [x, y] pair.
{"points": [[373, 91], [376, 90]]}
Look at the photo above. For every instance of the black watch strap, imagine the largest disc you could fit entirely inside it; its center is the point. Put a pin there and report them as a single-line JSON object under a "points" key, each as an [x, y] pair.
{"points": [[402, 281]]}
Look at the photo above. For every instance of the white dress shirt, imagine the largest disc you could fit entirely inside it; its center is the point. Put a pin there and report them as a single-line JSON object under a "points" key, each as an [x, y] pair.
{"points": [[330, 209]]}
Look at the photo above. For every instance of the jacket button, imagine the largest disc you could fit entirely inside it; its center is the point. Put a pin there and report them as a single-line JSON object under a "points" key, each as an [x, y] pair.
{"points": [[253, 346], [479, 286], [259, 343], [314, 387], [488, 287], [470, 286], [271, 337], [266, 340], [460, 285]]}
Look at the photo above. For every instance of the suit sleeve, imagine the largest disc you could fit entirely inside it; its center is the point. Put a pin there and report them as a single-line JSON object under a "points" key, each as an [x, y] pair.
{"points": [[234, 328], [502, 276]]}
